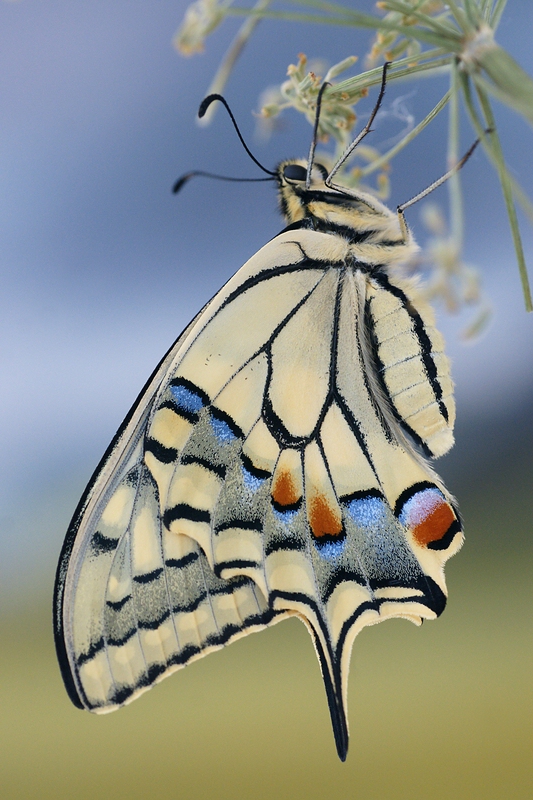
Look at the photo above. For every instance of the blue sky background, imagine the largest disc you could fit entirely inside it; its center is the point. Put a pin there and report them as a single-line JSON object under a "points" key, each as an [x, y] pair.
{"points": [[101, 267]]}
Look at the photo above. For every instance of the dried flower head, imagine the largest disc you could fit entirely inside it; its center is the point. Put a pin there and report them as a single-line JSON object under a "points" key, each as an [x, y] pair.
{"points": [[448, 279], [201, 18]]}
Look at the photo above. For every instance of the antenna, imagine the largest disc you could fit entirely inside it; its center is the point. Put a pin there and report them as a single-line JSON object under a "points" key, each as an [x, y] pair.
{"points": [[349, 150], [204, 105], [401, 208], [180, 183], [311, 156]]}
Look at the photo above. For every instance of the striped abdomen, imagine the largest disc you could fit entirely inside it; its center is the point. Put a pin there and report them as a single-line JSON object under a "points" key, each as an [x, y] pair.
{"points": [[413, 369]]}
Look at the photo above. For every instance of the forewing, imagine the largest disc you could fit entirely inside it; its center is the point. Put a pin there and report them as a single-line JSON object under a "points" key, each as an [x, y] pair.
{"points": [[137, 592]]}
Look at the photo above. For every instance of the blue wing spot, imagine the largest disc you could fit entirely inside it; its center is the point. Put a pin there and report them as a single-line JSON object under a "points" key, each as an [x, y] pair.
{"points": [[285, 516], [251, 481], [383, 548], [330, 550], [420, 506], [186, 399], [222, 430], [368, 512]]}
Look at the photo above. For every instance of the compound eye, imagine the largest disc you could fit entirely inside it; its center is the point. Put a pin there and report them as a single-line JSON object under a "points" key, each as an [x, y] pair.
{"points": [[294, 172]]}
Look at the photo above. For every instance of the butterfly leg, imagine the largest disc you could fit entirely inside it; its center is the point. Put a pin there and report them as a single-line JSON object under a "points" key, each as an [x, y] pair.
{"points": [[420, 196]]}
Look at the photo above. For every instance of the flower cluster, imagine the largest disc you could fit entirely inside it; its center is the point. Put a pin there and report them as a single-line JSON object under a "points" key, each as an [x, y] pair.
{"points": [[427, 37], [300, 92], [388, 44]]}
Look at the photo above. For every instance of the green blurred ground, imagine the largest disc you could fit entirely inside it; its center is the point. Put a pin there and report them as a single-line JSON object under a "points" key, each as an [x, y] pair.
{"points": [[436, 713]]}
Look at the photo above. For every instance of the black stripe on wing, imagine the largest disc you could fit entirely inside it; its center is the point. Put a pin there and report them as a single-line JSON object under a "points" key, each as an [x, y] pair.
{"points": [[184, 561], [148, 577], [101, 544], [76, 526], [118, 605], [217, 469], [221, 638], [253, 524], [166, 455], [187, 399], [185, 511]]}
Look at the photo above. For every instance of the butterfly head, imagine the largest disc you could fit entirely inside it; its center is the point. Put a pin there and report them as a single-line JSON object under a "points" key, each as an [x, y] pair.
{"points": [[319, 201], [294, 194]]}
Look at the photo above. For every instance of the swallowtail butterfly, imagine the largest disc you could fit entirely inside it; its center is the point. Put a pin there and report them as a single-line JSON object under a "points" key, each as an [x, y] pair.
{"points": [[275, 464]]}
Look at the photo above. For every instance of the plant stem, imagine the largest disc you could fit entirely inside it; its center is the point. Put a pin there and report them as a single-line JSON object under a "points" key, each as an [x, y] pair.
{"points": [[228, 62], [356, 20], [492, 146], [510, 83], [454, 186]]}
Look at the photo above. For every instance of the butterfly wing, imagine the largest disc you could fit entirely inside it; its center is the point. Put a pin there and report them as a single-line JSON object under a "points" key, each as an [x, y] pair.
{"points": [[266, 471], [123, 580]]}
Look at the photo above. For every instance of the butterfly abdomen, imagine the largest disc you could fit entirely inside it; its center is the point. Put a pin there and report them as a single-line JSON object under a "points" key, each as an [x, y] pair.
{"points": [[412, 367]]}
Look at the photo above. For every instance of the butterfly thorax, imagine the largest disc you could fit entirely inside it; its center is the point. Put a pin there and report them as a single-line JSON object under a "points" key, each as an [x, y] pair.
{"points": [[371, 229]]}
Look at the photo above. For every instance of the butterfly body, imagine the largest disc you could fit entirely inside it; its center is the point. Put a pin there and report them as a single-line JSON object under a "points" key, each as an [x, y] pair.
{"points": [[273, 466]]}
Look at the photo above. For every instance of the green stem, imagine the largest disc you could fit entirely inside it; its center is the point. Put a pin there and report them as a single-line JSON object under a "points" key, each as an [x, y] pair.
{"points": [[508, 195], [373, 76], [356, 20], [408, 11], [228, 62], [472, 12], [510, 83], [493, 149], [336, 8], [521, 198], [499, 8], [454, 186], [459, 15], [486, 6], [520, 195]]}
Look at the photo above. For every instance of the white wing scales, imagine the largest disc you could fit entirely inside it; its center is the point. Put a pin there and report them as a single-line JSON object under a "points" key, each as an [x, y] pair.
{"points": [[264, 473]]}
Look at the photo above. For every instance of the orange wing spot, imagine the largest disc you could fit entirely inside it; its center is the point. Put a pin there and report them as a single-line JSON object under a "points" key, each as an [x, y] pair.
{"points": [[435, 525], [284, 491], [324, 520]]}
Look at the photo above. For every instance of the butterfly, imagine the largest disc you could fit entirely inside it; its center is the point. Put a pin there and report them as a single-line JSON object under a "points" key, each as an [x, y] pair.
{"points": [[275, 464]]}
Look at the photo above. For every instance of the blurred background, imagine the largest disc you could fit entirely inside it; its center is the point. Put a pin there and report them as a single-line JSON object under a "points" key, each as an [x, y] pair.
{"points": [[101, 268]]}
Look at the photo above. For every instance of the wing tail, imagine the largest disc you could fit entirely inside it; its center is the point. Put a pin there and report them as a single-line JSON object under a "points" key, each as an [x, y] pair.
{"points": [[336, 698]]}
